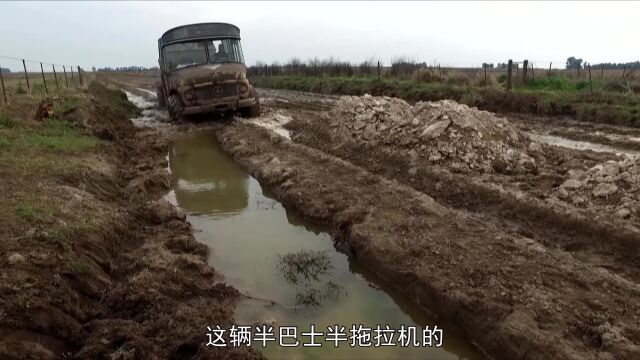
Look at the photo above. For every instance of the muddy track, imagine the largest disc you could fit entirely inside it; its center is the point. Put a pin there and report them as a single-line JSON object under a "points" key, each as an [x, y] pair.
{"points": [[512, 295], [516, 211], [523, 275]]}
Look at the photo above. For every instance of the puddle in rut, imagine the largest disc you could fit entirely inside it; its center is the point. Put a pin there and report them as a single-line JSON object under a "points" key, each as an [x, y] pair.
{"points": [[580, 145], [252, 239]]}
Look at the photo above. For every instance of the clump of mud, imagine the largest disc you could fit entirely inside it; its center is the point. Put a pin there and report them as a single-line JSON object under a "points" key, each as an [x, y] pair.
{"points": [[613, 184], [442, 132], [274, 120]]}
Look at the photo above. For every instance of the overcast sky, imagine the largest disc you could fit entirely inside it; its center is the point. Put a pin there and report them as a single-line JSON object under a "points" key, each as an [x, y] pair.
{"points": [[452, 33]]}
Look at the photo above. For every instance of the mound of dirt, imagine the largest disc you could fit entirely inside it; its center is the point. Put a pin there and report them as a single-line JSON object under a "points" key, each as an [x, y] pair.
{"points": [[444, 132], [613, 184]]}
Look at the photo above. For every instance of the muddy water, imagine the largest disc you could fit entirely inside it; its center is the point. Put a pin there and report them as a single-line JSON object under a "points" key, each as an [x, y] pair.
{"points": [[581, 145], [250, 235]]}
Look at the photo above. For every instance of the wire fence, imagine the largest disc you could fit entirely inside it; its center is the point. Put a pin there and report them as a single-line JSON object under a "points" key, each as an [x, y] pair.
{"points": [[511, 73], [33, 77]]}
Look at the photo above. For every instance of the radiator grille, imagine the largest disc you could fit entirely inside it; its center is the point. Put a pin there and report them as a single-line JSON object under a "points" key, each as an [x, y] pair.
{"points": [[218, 91]]}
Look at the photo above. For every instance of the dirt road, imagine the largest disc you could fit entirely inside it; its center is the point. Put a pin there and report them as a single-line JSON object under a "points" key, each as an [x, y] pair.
{"points": [[530, 249]]}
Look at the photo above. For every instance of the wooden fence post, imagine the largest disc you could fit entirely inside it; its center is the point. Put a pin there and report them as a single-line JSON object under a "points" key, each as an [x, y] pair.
{"points": [[80, 75], [55, 76], [533, 72], [601, 71], [378, 70], [24, 65], [525, 67], [64, 68], [590, 83], [509, 70], [549, 73], [624, 71], [440, 71], [46, 90], [4, 93]]}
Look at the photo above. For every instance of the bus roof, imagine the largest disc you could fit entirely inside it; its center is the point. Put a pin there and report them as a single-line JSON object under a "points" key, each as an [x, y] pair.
{"points": [[199, 31]]}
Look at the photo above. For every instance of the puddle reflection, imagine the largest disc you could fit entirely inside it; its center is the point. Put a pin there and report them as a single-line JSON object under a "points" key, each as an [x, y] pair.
{"points": [[287, 265], [208, 181]]}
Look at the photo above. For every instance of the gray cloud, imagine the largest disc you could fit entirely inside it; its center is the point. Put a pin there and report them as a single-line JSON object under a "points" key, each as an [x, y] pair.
{"points": [[458, 34]]}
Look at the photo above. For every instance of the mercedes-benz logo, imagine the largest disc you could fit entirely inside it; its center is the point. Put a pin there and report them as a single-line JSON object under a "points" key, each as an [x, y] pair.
{"points": [[217, 91]]}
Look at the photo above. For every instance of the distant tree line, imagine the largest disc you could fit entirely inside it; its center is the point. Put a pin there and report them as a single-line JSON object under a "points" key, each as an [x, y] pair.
{"points": [[629, 65], [128, 69], [5, 70], [576, 63]]}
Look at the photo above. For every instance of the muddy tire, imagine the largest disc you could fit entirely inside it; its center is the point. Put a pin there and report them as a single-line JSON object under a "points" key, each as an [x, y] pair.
{"points": [[162, 101], [175, 107], [251, 111]]}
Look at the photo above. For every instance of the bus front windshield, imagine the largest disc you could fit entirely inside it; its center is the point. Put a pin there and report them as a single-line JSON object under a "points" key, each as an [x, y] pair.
{"points": [[185, 54], [224, 51]]}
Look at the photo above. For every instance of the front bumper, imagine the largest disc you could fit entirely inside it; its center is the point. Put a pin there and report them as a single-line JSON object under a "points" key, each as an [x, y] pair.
{"points": [[220, 105]]}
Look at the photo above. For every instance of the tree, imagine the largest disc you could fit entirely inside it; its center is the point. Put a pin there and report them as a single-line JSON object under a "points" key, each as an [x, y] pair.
{"points": [[573, 63], [487, 66]]}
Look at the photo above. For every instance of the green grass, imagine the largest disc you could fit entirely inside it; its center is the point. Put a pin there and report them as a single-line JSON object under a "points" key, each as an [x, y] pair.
{"points": [[58, 135], [69, 230], [80, 267], [4, 144], [7, 123], [60, 142], [33, 213], [551, 83]]}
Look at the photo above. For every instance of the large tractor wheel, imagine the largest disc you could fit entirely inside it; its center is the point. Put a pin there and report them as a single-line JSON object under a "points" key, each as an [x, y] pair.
{"points": [[175, 107]]}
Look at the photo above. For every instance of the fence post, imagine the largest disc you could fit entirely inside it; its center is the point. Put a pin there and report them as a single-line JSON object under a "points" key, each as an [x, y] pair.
{"points": [[46, 90], [55, 76], [533, 72], [578, 72], [601, 71], [525, 67], [440, 71], [64, 68], [624, 71], [80, 75], [378, 70], [549, 73], [24, 65], [590, 83], [509, 70], [4, 93]]}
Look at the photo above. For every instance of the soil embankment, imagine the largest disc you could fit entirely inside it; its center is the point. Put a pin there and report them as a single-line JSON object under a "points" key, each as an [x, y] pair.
{"points": [[93, 263], [522, 279]]}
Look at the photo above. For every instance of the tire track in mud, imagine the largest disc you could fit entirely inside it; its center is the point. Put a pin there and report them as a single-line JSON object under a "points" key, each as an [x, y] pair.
{"points": [[511, 295], [608, 242]]}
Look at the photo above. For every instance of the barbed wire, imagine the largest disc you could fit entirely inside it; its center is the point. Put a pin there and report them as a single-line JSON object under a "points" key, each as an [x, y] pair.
{"points": [[34, 61]]}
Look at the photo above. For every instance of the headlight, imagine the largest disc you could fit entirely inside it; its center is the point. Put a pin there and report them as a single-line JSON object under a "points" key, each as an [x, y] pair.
{"points": [[188, 94], [243, 88]]}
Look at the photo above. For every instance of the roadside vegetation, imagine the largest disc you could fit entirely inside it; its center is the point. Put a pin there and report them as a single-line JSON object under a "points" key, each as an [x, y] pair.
{"points": [[613, 99], [39, 155]]}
